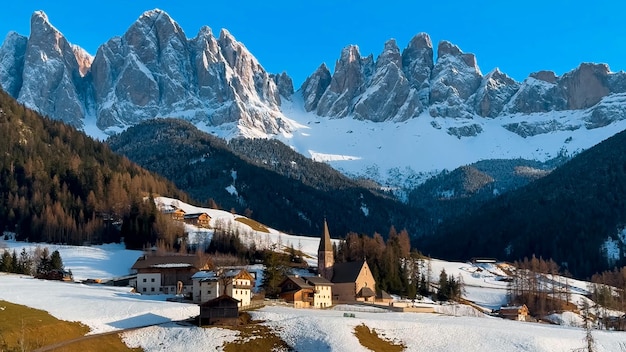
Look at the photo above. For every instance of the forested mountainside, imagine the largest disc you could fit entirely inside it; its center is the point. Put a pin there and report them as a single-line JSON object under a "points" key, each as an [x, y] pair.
{"points": [[455, 193], [58, 185], [576, 215], [261, 178]]}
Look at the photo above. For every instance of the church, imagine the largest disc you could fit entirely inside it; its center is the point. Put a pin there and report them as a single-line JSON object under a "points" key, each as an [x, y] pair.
{"points": [[352, 281]]}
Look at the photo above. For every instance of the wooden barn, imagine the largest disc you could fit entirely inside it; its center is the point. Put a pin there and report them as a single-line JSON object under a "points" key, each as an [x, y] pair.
{"points": [[223, 310], [519, 313]]}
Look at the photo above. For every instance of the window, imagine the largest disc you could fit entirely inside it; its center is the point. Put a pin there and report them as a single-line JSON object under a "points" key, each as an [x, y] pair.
{"points": [[152, 279], [144, 280], [152, 289], [144, 289], [208, 292]]}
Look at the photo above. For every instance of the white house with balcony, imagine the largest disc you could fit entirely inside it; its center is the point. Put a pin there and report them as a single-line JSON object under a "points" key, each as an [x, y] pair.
{"points": [[237, 283]]}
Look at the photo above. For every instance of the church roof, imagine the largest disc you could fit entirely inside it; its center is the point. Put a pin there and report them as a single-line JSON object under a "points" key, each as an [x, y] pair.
{"points": [[325, 244], [366, 292], [347, 272]]}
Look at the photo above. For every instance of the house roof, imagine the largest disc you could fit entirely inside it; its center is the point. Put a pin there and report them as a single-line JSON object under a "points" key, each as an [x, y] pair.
{"points": [[383, 294], [167, 261], [216, 301], [317, 281], [347, 272], [325, 244], [205, 275], [299, 281], [195, 215], [366, 292]]}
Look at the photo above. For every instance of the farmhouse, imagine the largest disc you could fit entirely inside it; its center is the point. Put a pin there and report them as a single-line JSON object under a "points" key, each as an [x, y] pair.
{"points": [[223, 310], [352, 281], [169, 274], [305, 292], [175, 213], [236, 283], [198, 219], [519, 313]]}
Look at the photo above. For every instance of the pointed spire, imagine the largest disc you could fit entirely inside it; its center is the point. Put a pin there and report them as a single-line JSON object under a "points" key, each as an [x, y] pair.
{"points": [[325, 244]]}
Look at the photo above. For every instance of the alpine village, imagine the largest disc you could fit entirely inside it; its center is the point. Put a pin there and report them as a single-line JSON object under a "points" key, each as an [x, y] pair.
{"points": [[186, 223]]}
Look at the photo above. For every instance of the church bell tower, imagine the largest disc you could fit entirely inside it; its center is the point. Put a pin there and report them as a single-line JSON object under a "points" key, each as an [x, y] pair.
{"points": [[325, 257]]}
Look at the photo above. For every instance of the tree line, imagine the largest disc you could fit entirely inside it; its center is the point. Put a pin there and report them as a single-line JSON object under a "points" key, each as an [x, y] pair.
{"points": [[58, 185], [39, 262]]}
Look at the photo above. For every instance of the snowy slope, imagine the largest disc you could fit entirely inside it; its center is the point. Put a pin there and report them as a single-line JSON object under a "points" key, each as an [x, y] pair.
{"points": [[104, 308], [404, 153]]}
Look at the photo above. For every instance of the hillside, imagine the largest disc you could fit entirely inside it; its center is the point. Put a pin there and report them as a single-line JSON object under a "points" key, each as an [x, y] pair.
{"points": [[452, 194], [59, 185], [263, 179], [106, 308], [575, 215]]}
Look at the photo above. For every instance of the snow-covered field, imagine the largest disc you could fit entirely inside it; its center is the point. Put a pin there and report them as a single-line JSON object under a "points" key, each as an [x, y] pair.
{"points": [[105, 308]]}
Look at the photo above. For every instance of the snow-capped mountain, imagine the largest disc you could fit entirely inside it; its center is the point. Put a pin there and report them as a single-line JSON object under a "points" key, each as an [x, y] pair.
{"points": [[404, 113], [153, 70]]}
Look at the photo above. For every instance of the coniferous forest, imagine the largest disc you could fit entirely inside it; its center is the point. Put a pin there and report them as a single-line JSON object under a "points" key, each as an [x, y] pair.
{"points": [[58, 185]]}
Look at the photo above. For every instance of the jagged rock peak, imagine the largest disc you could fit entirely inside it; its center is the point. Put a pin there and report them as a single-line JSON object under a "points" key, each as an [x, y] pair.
{"points": [[495, 91], [205, 31], [284, 84], [417, 62], [546, 76], [12, 62], [446, 48], [158, 15], [314, 86], [586, 85], [420, 41], [390, 54]]}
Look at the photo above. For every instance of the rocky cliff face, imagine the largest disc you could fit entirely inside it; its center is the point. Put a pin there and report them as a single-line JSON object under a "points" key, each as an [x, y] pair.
{"points": [[404, 84], [153, 70]]}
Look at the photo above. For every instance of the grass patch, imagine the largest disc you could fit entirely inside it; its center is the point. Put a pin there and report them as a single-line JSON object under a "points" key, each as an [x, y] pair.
{"points": [[254, 337], [256, 226], [26, 329], [370, 339]]}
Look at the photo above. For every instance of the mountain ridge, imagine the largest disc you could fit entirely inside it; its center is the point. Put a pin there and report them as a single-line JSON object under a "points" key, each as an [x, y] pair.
{"points": [[154, 70]]}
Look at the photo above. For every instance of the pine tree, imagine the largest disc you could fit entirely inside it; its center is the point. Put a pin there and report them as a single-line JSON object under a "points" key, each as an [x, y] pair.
{"points": [[56, 263], [6, 262]]}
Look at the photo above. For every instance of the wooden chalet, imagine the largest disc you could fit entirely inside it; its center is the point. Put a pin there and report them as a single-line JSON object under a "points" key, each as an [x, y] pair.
{"points": [[305, 292], [223, 310], [519, 313], [167, 274], [176, 214], [198, 219]]}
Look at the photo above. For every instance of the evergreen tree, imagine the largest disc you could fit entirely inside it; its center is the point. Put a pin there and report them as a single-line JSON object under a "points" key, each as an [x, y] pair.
{"points": [[442, 292], [276, 268], [6, 262], [45, 264], [56, 263]]}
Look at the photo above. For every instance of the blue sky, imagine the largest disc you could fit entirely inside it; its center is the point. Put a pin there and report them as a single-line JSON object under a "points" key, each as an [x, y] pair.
{"points": [[519, 37]]}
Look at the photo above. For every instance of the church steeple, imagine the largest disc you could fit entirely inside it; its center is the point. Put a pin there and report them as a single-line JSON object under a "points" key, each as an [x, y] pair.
{"points": [[325, 257]]}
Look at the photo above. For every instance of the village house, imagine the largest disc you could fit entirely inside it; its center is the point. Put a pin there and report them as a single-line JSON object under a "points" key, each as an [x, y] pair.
{"points": [[168, 274], [223, 310], [519, 313], [198, 219], [176, 214], [352, 281], [236, 283], [305, 292]]}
